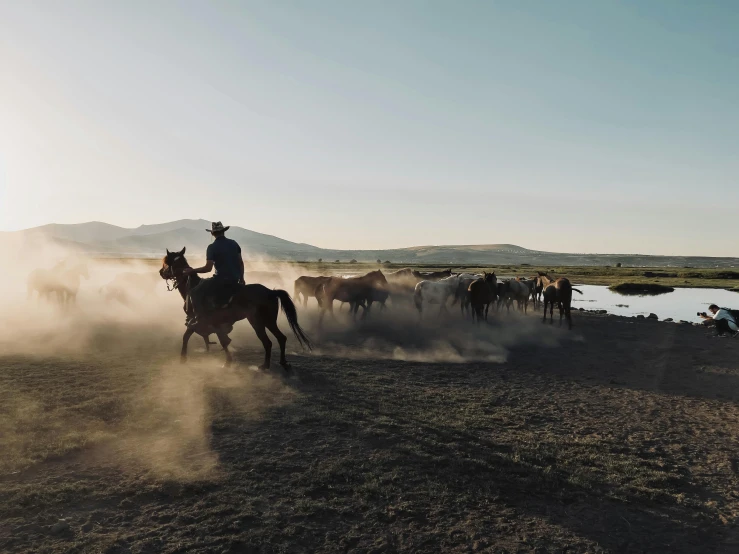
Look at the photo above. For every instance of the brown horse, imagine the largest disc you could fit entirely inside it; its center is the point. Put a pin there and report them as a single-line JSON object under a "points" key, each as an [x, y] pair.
{"points": [[358, 291], [256, 303], [481, 293], [559, 291], [462, 294], [307, 286]]}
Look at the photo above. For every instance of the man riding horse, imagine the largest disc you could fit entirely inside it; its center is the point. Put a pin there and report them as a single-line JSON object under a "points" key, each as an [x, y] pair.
{"points": [[210, 294]]}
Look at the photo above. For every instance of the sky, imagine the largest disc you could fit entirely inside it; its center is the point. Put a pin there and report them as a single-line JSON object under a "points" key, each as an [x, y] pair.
{"points": [[573, 126]]}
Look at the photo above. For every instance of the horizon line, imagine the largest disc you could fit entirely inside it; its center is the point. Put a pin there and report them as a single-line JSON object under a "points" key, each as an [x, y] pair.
{"points": [[386, 249]]}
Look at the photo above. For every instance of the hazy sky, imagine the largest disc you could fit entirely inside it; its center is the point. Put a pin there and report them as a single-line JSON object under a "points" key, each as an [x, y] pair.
{"points": [[575, 126]]}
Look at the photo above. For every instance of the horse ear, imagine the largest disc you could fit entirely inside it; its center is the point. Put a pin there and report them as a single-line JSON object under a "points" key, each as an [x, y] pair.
{"points": [[182, 252], [168, 252]]}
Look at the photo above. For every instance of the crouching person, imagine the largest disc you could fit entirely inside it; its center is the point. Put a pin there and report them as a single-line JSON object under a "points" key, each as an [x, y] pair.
{"points": [[722, 319]]}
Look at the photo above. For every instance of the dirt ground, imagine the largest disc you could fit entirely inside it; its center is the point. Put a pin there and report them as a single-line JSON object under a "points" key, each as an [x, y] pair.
{"points": [[619, 436]]}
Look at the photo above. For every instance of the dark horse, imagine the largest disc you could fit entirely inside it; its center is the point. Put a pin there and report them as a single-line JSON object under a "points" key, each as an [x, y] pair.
{"points": [[560, 292], [256, 303], [482, 292], [358, 291]]}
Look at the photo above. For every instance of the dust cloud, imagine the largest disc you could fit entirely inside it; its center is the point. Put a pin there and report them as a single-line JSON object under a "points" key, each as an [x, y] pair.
{"points": [[100, 373], [396, 333], [100, 376]]}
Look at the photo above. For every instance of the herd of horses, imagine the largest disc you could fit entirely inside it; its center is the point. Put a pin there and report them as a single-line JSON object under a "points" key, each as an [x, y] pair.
{"points": [[475, 293], [260, 305]]}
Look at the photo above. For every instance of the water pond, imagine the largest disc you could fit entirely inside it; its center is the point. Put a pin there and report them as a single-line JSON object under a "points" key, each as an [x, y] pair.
{"points": [[682, 304]]}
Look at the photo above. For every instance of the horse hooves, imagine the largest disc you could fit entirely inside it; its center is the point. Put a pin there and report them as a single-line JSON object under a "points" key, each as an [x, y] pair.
{"points": [[183, 359], [286, 366], [263, 367]]}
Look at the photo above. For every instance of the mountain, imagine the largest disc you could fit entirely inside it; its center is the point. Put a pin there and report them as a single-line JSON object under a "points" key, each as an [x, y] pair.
{"points": [[96, 238], [82, 232]]}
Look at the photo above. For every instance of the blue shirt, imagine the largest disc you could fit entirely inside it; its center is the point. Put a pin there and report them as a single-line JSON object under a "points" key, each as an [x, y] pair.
{"points": [[226, 256]]}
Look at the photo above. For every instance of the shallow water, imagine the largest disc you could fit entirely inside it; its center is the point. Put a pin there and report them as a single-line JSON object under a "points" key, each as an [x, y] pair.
{"points": [[680, 304]]}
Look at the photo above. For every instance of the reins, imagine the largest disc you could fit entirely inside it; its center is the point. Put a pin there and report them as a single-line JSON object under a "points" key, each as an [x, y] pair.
{"points": [[173, 279]]}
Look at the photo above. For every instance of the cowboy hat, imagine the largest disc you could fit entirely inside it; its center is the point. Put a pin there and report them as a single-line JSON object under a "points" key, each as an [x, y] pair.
{"points": [[217, 227]]}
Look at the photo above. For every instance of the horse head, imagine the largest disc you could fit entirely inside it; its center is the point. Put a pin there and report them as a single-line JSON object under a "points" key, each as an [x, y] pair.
{"points": [[173, 264]]}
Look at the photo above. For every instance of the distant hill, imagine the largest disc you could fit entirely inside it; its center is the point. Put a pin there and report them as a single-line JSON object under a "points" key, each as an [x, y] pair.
{"points": [[102, 239]]}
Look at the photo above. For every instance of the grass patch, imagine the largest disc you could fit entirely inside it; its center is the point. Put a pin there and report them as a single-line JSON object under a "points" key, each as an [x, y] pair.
{"points": [[641, 288]]}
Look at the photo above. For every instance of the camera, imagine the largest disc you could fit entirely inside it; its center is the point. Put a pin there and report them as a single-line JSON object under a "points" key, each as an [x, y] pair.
{"points": [[702, 314]]}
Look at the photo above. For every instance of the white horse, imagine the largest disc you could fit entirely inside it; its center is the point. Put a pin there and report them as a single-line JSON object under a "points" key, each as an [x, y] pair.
{"points": [[438, 292]]}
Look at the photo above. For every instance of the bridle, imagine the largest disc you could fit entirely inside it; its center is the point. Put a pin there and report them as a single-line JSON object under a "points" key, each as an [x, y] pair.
{"points": [[175, 283]]}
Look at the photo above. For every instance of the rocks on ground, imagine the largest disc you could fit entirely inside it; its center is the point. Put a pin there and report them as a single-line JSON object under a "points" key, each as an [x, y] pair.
{"points": [[59, 527]]}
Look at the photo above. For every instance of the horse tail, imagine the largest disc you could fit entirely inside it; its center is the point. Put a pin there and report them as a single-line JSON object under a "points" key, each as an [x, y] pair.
{"points": [[577, 290], [288, 308]]}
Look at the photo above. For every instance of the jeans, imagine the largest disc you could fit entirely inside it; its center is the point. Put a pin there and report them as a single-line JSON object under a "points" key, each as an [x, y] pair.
{"points": [[722, 326]]}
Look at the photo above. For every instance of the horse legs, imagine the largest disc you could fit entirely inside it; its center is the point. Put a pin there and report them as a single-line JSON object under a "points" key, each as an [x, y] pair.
{"points": [[258, 321], [327, 306], [561, 313], [321, 313], [418, 301], [367, 308], [225, 341], [185, 339], [207, 342], [262, 336], [568, 314], [281, 340]]}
